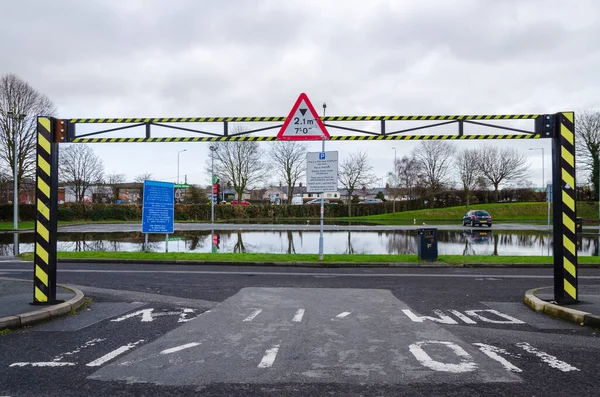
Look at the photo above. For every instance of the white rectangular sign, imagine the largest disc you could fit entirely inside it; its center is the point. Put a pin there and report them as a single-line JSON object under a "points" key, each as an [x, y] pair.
{"points": [[321, 172]]}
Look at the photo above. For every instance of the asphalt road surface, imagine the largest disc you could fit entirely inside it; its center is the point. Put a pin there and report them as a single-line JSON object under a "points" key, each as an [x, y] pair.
{"points": [[223, 331]]}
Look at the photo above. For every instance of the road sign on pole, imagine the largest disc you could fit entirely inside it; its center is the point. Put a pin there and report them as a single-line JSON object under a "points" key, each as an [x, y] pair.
{"points": [[321, 172], [159, 207], [303, 123]]}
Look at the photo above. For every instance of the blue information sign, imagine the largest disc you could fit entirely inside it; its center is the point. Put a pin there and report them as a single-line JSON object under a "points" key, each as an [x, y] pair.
{"points": [[159, 207]]}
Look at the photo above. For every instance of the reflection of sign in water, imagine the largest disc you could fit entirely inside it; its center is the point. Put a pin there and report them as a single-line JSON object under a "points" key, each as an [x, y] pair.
{"points": [[158, 208]]}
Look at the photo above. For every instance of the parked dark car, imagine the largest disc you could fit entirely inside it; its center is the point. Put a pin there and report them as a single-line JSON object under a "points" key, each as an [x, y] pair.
{"points": [[477, 218]]}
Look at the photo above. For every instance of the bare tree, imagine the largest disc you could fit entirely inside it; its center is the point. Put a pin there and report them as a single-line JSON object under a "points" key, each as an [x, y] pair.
{"points": [[112, 181], [587, 131], [240, 162], [142, 177], [79, 169], [434, 160], [407, 169], [468, 172], [290, 159], [355, 172], [17, 96], [501, 165]]}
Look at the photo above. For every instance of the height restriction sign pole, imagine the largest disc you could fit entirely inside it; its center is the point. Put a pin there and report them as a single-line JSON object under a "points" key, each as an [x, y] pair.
{"points": [[303, 124]]}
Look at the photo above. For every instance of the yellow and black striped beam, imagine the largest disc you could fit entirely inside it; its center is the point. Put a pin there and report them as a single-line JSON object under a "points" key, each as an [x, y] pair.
{"points": [[44, 274], [333, 138], [276, 119], [565, 238]]}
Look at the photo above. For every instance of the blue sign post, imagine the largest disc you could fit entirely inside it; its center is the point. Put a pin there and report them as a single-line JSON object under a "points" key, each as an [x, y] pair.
{"points": [[159, 207]]}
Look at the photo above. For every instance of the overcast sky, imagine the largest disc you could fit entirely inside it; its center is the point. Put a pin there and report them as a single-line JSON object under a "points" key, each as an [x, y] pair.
{"points": [[147, 58]]}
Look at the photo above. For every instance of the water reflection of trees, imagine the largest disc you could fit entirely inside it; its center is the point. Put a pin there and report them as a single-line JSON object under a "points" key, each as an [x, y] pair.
{"points": [[291, 241]]}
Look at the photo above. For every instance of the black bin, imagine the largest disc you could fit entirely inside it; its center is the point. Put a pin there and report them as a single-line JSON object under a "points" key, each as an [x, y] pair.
{"points": [[427, 244], [578, 225]]}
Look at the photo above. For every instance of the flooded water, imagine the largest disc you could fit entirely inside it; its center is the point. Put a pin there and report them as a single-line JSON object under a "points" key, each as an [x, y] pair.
{"points": [[467, 242]]}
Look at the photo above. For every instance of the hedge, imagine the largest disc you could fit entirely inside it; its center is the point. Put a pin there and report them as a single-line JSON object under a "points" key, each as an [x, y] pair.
{"points": [[201, 212]]}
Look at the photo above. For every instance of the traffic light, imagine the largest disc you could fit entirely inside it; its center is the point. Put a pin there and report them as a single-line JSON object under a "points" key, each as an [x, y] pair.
{"points": [[219, 191], [216, 240]]}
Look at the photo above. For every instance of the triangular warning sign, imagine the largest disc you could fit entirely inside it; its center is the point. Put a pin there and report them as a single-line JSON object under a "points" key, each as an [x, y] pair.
{"points": [[303, 123]]}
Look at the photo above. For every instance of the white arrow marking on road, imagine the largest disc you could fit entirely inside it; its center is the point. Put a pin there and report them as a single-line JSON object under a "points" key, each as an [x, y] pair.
{"points": [[253, 315], [179, 348], [44, 364], [508, 319], [183, 317], [494, 352], [444, 319], [146, 315], [298, 316], [269, 358], [342, 315], [113, 354], [466, 361], [547, 358]]}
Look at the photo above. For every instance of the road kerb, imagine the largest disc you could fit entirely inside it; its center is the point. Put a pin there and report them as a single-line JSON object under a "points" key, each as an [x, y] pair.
{"points": [[44, 313], [565, 313]]}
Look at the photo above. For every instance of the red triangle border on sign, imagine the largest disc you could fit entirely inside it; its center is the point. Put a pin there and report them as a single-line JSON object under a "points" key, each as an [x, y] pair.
{"points": [[288, 119]]}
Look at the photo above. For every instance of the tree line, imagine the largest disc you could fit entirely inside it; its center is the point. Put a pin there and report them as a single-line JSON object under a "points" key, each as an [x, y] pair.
{"points": [[432, 167]]}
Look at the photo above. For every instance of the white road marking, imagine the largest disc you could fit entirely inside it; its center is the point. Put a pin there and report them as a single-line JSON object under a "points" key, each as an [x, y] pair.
{"points": [[464, 318], [342, 315], [443, 319], [253, 315], [508, 319], [269, 358], [295, 274], [466, 361], [494, 352], [113, 354], [89, 343], [183, 317], [44, 364], [547, 358], [298, 316], [179, 348], [146, 315]]}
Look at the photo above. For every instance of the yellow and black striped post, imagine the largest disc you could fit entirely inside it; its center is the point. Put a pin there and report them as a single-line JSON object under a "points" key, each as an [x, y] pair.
{"points": [[46, 199], [563, 185]]}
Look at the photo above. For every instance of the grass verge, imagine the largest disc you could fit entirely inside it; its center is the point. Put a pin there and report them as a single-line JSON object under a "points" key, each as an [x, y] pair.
{"points": [[310, 258]]}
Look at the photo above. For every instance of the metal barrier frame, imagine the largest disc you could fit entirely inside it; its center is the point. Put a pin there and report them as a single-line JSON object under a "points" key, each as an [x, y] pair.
{"points": [[559, 127]]}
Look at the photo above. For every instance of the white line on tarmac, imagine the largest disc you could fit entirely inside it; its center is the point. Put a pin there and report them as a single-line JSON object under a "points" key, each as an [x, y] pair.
{"points": [[44, 364], [113, 354], [547, 358], [179, 348], [294, 274], [466, 319], [252, 315], [342, 315], [269, 358], [298, 316]]}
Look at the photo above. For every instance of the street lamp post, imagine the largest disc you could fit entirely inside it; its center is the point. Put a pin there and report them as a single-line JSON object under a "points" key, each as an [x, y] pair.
{"points": [[544, 183], [212, 180], [395, 183], [178, 153], [15, 116]]}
